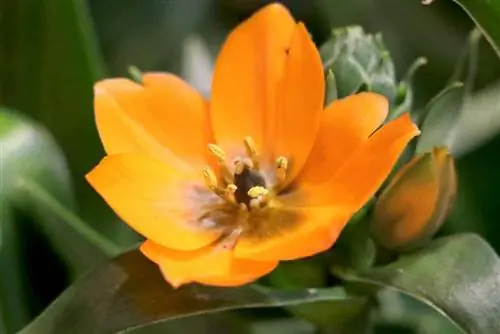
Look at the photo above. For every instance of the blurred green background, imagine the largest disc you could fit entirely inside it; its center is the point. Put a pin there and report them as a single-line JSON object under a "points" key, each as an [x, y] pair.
{"points": [[52, 51]]}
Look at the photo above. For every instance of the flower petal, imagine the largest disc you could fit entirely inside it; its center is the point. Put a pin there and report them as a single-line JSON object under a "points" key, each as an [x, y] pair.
{"points": [[242, 272], [294, 126], [247, 71], [346, 124], [289, 234], [152, 117], [403, 211], [364, 172], [180, 267], [164, 204], [211, 266]]}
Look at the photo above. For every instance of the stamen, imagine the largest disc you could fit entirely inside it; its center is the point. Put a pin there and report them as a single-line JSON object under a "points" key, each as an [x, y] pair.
{"points": [[259, 196], [281, 169], [219, 153], [257, 191], [229, 193], [252, 151], [210, 179], [211, 182]]}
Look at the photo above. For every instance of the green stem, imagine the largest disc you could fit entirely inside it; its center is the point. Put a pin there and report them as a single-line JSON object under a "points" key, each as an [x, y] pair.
{"points": [[46, 199]]}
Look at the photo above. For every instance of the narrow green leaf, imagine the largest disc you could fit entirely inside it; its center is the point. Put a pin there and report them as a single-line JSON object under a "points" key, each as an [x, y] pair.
{"points": [[35, 189], [481, 120], [14, 299], [466, 67], [459, 276], [129, 293], [486, 14], [35, 179], [50, 63], [404, 97], [441, 118]]}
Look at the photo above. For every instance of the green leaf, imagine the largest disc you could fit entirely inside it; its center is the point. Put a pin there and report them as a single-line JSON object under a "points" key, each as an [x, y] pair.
{"points": [[35, 185], [14, 301], [404, 97], [398, 308], [480, 121], [129, 293], [466, 66], [486, 14], [36, 180], [459, 276], [441, 118], [443, 115], [50, 63]]}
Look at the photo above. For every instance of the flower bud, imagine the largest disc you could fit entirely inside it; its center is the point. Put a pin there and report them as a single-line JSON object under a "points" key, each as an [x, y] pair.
{"points": [[359, 62], [416, 202]]}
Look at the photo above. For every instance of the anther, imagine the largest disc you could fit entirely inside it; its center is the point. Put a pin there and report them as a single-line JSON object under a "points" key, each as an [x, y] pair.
{"points": [[229, 193], [252, 152], [220, 155], [257, 191], [258, 196], [217, 152], [281, 169], [210, 179]]}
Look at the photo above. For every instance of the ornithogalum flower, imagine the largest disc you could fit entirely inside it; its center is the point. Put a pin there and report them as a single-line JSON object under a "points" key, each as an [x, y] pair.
{"points": [[224, 190]]}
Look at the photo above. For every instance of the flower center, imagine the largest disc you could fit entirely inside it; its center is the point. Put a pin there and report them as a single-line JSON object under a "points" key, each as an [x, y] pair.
{"points": [[243, 183]]}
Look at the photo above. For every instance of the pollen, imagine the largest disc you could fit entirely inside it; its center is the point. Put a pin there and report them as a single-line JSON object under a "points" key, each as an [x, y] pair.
{"points": [[257, 191]]}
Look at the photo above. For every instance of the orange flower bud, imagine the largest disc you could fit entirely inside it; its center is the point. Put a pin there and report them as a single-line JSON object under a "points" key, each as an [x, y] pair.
{"points": [[416, 201]]}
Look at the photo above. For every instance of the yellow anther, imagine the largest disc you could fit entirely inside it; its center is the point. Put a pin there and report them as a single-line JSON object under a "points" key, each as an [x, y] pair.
{"points": [[231, 188], [210, 178], [252, 151], [217, 152], [229, 193], [281, 168], [257, 191]]}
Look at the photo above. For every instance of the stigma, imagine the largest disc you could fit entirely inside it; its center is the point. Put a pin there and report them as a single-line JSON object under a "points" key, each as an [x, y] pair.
{"points": [[241, 182]]}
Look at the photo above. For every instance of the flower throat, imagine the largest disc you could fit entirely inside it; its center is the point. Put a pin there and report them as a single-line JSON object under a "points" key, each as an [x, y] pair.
{"points": [[245, 186]]}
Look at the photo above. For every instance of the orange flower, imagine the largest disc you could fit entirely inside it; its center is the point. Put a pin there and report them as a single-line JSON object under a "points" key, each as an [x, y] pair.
{"points": [[281, 176]]}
